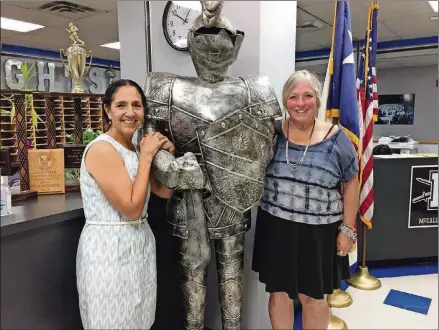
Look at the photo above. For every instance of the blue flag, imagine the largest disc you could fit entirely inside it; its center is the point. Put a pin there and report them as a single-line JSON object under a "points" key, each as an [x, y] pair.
{"points": [[342, 95]]}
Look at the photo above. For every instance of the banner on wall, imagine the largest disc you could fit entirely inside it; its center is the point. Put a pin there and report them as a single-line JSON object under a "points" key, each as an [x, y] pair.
{"points": [[423, 203], [50, 75]]}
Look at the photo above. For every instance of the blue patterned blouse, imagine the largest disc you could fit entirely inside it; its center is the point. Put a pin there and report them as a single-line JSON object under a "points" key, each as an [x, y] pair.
{"points": [[311, 194]]}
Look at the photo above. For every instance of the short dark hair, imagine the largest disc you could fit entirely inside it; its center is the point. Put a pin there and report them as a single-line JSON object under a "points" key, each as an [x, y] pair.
{"points": [[114, 87], [382, 149]]}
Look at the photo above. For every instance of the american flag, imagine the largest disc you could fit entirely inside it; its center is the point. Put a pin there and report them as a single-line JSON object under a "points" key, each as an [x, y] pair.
{"points": [[367, 98]]}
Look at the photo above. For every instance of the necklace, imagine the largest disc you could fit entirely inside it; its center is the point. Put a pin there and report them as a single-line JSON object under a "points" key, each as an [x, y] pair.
{"points": [[295, 166]]}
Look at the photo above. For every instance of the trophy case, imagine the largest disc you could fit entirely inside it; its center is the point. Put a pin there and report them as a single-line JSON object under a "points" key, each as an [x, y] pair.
{"points": [[43, 120]]}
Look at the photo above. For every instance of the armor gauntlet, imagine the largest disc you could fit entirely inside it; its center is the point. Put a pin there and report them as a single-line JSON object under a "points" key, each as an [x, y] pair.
{"points": [[183, 173]]}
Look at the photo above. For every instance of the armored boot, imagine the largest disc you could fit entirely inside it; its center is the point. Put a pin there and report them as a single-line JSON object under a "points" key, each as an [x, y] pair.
{"points": [[230, 267]]}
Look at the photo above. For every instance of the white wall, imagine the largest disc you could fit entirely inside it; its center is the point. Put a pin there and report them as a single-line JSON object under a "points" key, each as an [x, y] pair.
{"points": [[167, 59], [420, 81], [131, 26]]}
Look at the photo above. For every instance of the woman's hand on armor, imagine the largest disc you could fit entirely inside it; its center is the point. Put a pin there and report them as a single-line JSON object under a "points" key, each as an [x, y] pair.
{"points": [[344, 244], [150, 144], [169, 146]]}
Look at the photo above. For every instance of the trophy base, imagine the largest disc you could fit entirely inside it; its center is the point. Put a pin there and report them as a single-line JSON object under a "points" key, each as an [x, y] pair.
{"points": [[23, 196], [73, 188], [77, 90]]}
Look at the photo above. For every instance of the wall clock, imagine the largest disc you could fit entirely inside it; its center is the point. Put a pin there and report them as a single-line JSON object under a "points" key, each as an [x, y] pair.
{"points": [[178, 17]]}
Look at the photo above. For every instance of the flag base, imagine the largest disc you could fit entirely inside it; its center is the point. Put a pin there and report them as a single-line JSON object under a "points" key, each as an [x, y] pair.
{"points": [[362, 280], [336, 323], [339, 299]]}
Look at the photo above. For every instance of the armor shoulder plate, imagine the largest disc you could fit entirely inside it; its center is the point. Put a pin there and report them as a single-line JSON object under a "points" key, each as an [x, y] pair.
{"points": [[158, 90], [263, 102]]}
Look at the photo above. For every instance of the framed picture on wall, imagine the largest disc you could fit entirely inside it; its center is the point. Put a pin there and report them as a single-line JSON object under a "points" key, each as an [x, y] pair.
{"points": [[396, 109]]}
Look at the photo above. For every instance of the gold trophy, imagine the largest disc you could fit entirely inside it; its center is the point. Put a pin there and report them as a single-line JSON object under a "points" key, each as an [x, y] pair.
{"points": [[76, 59]]}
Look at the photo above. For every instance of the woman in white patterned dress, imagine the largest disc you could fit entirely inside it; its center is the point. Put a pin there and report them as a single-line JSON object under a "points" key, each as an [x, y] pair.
{"points": [[116, 266]]}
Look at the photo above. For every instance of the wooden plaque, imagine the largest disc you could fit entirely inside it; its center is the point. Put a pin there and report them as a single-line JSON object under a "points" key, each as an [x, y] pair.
{"points": [[73, 155], [46, 170], [5, 162]]}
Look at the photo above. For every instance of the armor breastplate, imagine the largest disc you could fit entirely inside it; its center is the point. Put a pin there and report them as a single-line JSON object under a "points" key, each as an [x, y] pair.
{"points": [[235, 150], [197, 104], [229, 125]]}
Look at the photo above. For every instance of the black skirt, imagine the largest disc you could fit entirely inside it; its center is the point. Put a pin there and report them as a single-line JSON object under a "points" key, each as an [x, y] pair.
{"points": [[297, 258]]}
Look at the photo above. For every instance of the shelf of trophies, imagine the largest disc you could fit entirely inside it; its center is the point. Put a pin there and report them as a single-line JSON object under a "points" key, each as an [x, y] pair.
{"points": [[43, 136]]}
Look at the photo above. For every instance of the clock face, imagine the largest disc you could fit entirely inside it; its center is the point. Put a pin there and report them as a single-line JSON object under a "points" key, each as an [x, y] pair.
{"points": [[177, 19]]}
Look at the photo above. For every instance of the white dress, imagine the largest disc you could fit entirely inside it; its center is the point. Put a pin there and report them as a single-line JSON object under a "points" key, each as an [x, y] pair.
{"points": [[116, 259]]}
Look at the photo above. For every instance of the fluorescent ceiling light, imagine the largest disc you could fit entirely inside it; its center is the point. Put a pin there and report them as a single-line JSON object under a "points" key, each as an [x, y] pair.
{"points": [[433, 18], [19, 26], [433, 5], [113, 45]]}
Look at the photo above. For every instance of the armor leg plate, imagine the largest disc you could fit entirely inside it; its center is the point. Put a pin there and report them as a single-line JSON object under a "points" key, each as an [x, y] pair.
{"points": [[194, 293], [195, 256], [230, 267]]}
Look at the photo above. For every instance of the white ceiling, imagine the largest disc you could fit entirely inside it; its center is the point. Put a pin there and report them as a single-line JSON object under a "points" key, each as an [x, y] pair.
{"points": [[95, 28], [398, 19]]}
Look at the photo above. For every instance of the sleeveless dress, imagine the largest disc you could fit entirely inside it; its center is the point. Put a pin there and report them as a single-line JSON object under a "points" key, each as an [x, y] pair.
{"points": [[116, 258]]}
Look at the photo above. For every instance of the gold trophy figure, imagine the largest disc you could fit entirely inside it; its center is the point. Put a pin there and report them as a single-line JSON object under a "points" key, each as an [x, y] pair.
{"points": [[76, 59]]}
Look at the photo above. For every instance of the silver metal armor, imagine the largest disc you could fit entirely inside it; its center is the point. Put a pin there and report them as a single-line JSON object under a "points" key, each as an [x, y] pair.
{"points": [[228, 123]]}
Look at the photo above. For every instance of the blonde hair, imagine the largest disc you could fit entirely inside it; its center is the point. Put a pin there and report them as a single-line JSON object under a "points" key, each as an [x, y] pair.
{"points": [[295, 79]]}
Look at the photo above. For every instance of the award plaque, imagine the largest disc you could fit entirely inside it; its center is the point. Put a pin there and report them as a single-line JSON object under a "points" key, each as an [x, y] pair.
{"points": [[46, 171], [73, 155]]}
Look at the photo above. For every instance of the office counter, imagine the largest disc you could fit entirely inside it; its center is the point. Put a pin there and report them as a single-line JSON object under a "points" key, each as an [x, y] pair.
{"points": [[391, 239], [39, 241], [38, 272]]}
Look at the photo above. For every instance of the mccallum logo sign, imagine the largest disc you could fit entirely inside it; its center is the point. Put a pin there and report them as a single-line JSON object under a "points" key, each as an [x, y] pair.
{"points": [[434, 195], [424, 196]]}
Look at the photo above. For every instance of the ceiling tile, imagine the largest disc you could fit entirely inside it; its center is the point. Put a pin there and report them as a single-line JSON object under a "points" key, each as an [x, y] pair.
{"points": [[393, 9], [313, 40], [322, 37], [88, 28], [303, 17], [413, 26], [16, 12], [33, 16], [24, 4], [106, 5], [8, 34], [384, 33], [110, 54]]}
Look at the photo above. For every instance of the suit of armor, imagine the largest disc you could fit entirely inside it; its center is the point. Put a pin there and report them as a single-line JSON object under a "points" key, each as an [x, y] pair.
{"points": [[228, 123]]}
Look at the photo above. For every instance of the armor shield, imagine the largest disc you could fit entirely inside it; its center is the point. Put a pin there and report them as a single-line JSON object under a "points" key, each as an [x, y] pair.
{"points": [[235, 150]]}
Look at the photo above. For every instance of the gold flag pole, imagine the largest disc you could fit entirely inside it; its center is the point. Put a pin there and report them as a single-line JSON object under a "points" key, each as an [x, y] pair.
{"points": [[362, 279], [338, 298]]}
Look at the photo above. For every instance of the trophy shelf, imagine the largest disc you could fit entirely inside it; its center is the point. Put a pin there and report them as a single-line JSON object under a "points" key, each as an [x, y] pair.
{"points": [[70, 116]]}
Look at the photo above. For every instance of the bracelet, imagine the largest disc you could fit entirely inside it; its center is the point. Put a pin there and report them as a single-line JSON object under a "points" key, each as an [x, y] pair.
{"points": [[348, 231]]}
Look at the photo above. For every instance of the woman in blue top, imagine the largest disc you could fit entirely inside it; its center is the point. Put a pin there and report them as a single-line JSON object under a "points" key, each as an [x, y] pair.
{"points": [[305, 223]]}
